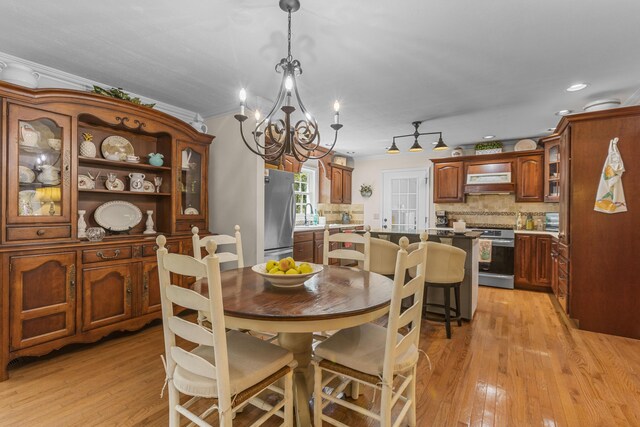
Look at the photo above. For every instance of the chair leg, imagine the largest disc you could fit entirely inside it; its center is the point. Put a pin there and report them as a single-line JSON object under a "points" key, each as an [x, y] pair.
{"points": [[385, 406], [174, 400], [288, 400], [226, 420], [354, 389], [456, 291], [447, 310], [411, 394], [317, 395], [424, 301]]}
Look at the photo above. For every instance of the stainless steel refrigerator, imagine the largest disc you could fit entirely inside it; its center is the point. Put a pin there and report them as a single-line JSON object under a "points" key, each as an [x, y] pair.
{"points": [[279, 214]]}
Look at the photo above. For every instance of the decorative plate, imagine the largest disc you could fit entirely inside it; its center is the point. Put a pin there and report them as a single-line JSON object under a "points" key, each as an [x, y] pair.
{"points": [[191, 211], [26, 175], [116, 145], [86, 183], [148, 187], [117, 215], [525, 145], [286, 280], [118, 185]]}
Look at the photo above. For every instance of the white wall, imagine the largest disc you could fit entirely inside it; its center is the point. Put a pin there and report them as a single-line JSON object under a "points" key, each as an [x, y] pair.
{"points": [[368, 170], [236, 186]]}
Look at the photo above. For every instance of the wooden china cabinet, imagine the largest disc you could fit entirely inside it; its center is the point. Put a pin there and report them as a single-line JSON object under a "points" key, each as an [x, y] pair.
{"points": [[58, 288]]}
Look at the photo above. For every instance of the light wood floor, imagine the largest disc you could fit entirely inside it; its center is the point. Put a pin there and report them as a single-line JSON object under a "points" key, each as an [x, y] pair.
{"points": [[517, 364]]}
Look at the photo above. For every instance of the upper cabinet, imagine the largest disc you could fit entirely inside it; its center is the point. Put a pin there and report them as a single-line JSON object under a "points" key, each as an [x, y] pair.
{"points": [[340, 184], [514, 172], [529, 182], [552, 170], [448, 182], [191, 177]]}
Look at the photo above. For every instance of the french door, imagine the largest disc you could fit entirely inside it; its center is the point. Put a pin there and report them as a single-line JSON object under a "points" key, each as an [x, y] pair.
{"points": [[405, 200]]}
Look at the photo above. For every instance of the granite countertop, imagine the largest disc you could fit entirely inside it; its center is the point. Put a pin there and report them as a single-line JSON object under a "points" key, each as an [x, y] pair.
{"points": [[321, 227], [432, 232], [544, 232]]}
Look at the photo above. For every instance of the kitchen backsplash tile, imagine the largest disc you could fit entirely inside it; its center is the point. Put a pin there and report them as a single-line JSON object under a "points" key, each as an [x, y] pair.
{"points": [[494, 209], [333, 212]]}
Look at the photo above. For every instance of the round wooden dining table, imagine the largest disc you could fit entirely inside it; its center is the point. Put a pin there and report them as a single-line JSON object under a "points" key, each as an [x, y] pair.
{"points": [[335, 298]]}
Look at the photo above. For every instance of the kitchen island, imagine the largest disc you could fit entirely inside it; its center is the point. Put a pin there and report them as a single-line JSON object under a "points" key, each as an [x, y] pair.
{"points": [[468, 242]]}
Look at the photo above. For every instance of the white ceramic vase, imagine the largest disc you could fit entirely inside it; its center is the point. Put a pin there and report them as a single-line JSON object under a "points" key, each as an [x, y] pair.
{"points": [[149, 224], [19, 74], [82, 225], [87, 149]]}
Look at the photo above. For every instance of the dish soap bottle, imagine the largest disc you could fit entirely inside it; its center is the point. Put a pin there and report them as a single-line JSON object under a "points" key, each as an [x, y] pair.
{"points": [[529, 223], [316, 218]]}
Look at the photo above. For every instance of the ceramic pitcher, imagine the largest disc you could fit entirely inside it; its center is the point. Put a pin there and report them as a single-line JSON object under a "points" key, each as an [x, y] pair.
{"points": [[136, 181]]}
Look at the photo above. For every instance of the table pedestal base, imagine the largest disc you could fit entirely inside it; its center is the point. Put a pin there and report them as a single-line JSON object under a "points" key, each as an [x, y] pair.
{"points": [[300, 344]]}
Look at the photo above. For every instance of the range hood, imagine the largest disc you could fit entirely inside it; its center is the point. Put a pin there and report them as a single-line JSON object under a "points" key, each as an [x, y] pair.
{"points": [[489, 178]]}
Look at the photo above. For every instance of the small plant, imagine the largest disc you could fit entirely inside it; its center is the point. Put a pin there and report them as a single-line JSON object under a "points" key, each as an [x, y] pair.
{"points": [[366, 190], [118, 93], [489, 145]]}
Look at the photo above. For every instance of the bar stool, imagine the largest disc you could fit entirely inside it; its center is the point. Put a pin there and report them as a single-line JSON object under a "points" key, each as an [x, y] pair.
{"points": [[445, 270]]}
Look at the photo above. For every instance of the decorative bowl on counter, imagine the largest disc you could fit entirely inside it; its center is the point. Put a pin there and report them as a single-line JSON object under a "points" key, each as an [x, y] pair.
{"points": [[95, 234], [286, 280]]}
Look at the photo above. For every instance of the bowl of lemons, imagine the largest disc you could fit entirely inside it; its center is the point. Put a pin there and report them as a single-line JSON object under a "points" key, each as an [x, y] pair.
{"points": [[286, 272]]}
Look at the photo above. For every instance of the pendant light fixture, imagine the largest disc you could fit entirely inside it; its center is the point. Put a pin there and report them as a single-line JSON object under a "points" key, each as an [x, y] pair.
{"points": [[298, 137], [416, 147]]}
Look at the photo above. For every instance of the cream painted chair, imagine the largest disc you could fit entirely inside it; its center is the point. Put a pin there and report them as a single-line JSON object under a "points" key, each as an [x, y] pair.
{"points": [[383, 256], [445, 270], [231, 368], [220, 239], [351, 254], [376, 356]]}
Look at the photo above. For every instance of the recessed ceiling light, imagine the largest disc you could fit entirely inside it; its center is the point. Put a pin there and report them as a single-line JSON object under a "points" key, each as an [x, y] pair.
{"points": [[563, 112], [489, 136], [351, 152], [551, 129], [576, 87]]}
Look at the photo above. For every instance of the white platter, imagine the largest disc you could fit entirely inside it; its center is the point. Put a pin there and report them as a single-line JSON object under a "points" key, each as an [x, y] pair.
{"points": [[525, 145], [86, 183], [148, 187], [117, 185], [117, 215], [116, 145], [191, 211], [26, 175], [286, 280]]}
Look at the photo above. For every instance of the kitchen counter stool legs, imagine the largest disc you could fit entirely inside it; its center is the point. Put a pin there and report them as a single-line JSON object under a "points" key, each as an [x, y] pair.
{"points": [[446, 307]]}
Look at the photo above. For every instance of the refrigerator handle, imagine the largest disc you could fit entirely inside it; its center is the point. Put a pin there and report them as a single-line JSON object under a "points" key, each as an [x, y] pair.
{"points": [[292, 206]]}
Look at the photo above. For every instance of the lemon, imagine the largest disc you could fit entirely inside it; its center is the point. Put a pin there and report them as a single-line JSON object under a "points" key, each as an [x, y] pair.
{"points": [[279, 272], [305, 268], [274, 270], [293, 271], [270, 264], [284, 264], [292, 262]]}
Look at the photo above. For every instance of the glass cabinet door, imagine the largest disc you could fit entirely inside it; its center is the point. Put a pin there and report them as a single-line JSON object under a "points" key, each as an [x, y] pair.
{"points": [[39, 166], [192, 173]]}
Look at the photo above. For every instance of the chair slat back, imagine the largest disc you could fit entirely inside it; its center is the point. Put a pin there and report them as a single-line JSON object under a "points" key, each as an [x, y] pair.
{"points": [[212, 308], [345, 253], [412, 315], [220, 239]]}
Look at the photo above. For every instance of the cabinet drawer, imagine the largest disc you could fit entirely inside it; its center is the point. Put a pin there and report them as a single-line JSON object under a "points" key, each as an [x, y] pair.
{"points": [[302, 236], [188, 225], [106, 254], [563, 250], [38, 233], [151, 248], [303, 251]]}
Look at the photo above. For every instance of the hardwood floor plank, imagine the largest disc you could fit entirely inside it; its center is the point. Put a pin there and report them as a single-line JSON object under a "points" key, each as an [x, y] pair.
{"points": [[519, 363]]}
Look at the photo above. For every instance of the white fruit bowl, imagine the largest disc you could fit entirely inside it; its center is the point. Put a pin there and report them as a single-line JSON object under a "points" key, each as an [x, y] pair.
{"points": [[286, 280]]}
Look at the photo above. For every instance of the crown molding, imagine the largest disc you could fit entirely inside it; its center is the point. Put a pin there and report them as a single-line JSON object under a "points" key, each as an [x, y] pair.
{"points": [[54, 78], [634, 99]]}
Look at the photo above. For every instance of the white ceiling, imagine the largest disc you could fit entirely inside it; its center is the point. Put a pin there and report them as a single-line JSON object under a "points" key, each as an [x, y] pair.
{"points": [[468, 68]]}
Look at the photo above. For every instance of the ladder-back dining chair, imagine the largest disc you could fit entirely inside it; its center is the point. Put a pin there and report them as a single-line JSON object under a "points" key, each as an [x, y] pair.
{"points": [[221, 240], [375, 356], [348, 251], [230, 368]]}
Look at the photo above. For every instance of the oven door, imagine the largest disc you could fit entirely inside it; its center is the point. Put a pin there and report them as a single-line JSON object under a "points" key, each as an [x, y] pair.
{"points": [[502, 253]]}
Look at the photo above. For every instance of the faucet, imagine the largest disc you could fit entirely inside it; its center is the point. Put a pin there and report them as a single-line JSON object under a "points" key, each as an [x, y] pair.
{"points": [[305, 213]]}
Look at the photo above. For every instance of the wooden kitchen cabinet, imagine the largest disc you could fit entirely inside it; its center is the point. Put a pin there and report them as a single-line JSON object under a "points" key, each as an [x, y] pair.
{"points": [[530, 178], [303, 246], [533, 267], [107, 295], [42, 298], [448, 182], [552, 170], [340, 184], [151, 287]]}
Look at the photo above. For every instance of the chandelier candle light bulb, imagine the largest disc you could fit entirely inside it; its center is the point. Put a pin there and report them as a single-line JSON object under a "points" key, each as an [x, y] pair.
{"points": [[336, 108], [243, 98]]}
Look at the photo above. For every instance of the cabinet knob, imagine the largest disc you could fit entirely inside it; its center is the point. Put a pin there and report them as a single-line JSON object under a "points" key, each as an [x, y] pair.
{"points": [[40, 232]]}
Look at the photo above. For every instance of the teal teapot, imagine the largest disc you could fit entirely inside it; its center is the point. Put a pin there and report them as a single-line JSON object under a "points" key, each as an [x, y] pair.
{"points": [[156, 159]]}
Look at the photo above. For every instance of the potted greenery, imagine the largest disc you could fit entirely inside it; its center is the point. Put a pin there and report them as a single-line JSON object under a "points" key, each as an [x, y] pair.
{"points": [[366, 190], [489, 147]]}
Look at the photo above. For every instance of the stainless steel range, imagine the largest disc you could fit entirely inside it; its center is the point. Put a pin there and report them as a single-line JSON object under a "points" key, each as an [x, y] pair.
{"points": [[499, 272]]}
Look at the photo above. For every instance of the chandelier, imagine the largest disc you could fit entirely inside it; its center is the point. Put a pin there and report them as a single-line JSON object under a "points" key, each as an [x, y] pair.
{"points": [[284, 135], [416, 146]]}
